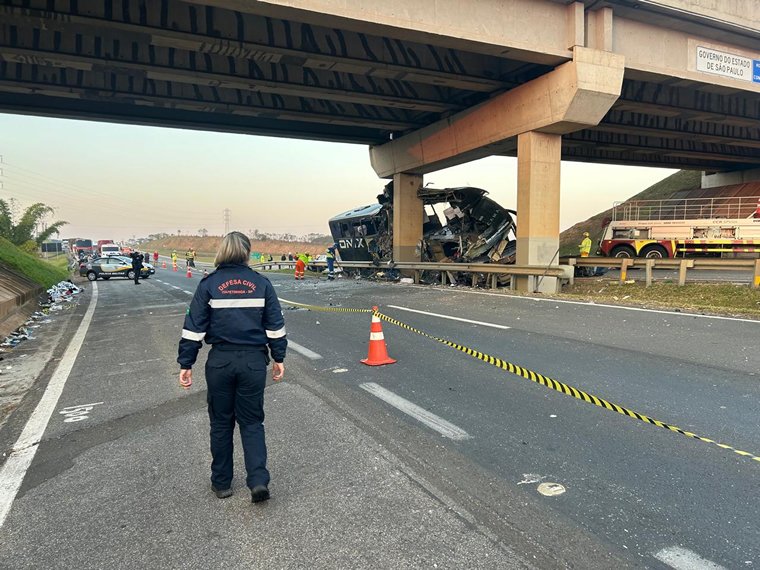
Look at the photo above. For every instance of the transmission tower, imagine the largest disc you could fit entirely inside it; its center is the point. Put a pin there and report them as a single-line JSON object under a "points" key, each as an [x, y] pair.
{"points": [[226, 221]]}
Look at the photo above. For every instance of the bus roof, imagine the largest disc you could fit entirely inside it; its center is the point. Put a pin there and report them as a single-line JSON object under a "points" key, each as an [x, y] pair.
{"points": [[361, 212]]}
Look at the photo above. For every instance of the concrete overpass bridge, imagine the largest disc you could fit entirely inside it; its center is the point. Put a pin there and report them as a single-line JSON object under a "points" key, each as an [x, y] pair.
{"points": [[427, 84]]}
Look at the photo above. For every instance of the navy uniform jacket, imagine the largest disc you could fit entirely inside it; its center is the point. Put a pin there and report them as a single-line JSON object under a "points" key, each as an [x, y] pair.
{"points": [[233, 305]]}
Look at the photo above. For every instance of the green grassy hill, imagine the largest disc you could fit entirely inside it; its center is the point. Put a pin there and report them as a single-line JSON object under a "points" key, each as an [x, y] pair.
{"points": [[38, 270], [571, 237]]}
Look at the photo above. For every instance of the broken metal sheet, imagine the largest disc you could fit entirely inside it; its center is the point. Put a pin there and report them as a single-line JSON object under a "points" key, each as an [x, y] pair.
{"points": [[476, 229]]}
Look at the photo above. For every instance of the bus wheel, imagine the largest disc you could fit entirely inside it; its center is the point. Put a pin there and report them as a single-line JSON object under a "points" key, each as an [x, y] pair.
{"points": [[654, 252], [623, 251]]}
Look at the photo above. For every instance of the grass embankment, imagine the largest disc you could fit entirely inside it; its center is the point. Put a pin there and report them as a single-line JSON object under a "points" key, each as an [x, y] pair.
{"points": [[709, 298], [662, 190], [38, 270]]}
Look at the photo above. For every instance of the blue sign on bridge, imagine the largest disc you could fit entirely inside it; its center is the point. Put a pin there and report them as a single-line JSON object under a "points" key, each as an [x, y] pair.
{"points": [[756, 70]]}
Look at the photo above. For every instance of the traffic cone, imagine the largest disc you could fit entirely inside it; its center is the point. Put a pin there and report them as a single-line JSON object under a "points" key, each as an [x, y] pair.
{"points": [[378, 352], [205, 273], [189, 273], [174, 266], [163, 265]]}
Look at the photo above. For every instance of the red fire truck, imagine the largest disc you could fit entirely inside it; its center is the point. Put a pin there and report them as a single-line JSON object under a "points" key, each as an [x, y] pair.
{"points": [[717, 227]]}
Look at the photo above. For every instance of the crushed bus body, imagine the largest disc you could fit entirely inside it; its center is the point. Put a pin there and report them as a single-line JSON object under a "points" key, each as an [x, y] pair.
{"points": [[476, 228]]}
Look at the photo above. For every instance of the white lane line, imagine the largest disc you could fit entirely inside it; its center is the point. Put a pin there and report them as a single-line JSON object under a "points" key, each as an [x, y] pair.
{"points": [[446, 429], [602, 305], [22, 453], [684, 559], [303, 350], [188, 292], [503, 327], [176, 287]]}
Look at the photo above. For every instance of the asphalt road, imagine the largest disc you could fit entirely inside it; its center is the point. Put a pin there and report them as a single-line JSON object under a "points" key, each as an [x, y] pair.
{"points": [[453, 479]]}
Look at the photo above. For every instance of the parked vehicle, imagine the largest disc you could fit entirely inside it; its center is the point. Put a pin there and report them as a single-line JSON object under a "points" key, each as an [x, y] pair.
{"points": [[109, 249], [83, 247], [717, 227], [113, 266]]}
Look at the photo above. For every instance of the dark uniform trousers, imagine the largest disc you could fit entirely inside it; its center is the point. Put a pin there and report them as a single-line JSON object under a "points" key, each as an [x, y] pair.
{"points": [[236, 377]]}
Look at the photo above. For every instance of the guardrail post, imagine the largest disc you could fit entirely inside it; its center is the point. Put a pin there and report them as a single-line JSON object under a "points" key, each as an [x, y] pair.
{"points": [[650, 265], [571, 263], [474, 279], [443, 278], [756, 276], [416, 276], [685, 264], [495, 280], [626, 263]]}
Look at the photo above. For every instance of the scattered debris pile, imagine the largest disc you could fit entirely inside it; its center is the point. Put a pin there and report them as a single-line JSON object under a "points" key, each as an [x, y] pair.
{"points": [[57, 298]]}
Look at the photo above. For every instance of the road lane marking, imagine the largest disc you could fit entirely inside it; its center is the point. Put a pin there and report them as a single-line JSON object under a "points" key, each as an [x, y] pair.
{"points": [[188, 292], [503, 327], [446, 429], [175, 287], [601, 305], [684, 559], [303, 350], [22, 453]]}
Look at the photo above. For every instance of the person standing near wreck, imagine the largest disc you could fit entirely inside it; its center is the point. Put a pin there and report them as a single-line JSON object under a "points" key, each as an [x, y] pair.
{"points": [[236, 310], [137, 265]]}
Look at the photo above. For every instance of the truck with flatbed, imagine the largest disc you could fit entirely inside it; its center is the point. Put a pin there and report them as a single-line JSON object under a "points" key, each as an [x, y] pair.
{"points": [[690, 227]]}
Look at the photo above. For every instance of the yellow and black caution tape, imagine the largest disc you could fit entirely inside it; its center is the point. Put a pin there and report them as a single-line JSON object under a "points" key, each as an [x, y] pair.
{"points": [[545, 381], [325, 309], [561, 386]]}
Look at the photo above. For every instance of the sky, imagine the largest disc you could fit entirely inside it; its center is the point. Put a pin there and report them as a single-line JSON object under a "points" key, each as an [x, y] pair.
{"points": [[113, 181]]}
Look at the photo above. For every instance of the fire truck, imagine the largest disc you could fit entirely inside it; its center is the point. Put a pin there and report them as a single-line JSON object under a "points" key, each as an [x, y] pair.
{"points": [[689, 227]]}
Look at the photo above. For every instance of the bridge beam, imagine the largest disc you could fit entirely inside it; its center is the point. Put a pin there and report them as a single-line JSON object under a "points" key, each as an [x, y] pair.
{"points": [[574, 96]]}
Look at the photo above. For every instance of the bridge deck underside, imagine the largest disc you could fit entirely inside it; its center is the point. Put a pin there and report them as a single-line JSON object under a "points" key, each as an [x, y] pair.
{"points": [[176, 64]]}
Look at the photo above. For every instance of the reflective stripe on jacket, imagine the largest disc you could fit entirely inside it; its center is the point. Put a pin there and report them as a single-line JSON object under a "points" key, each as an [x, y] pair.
{"points": [[233, 305]]}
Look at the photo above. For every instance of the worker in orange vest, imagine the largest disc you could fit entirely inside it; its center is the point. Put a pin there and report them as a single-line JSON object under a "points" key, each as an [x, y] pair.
{"points": [[300, 267]]}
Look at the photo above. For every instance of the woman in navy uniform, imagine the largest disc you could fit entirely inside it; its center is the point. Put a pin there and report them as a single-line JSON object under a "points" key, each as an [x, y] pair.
{"points": [[235, 310]]}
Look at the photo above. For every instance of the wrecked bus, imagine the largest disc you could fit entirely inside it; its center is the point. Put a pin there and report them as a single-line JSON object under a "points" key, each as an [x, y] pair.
{"points": [[476, 228]]}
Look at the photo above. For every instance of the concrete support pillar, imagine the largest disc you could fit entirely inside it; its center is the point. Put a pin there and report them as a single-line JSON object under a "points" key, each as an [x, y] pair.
{"points": [[407, 216], [538, 177]]}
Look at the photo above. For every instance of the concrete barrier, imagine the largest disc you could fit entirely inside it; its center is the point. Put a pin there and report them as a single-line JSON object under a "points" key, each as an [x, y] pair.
{"points": [[17, 294]]}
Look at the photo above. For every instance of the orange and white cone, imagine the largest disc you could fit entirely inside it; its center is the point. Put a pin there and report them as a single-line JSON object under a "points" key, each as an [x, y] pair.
{"points": [[189, 273], [174, 266], [163, 265], [378, 352]]}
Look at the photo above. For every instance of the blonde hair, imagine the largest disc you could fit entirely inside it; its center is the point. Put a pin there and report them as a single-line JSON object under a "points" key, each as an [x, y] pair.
{"points": [[235, 248]]}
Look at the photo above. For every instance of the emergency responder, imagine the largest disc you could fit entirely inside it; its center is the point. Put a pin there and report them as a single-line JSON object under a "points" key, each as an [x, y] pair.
{"points": [[174, 258], [585, 249], [585, 245], [188, 258], [155, 258], [236, 310], [137, 263], [300, 266], [195, 255], [330, 256]]}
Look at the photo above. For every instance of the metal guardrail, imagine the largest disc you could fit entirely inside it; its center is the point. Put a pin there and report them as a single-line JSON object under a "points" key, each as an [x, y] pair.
{"points": [[534, 273], [683, 265]]}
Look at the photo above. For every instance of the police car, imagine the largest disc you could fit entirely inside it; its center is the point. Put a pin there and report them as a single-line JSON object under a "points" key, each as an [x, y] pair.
{"points": [[113, 266]]}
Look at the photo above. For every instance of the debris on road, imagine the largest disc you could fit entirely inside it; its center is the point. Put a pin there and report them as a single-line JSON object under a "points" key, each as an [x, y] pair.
{"points": [[57, 297]]}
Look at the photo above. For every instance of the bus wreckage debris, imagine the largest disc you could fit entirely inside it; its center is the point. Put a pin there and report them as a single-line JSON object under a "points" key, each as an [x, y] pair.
{"points": [[476, 230]]}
